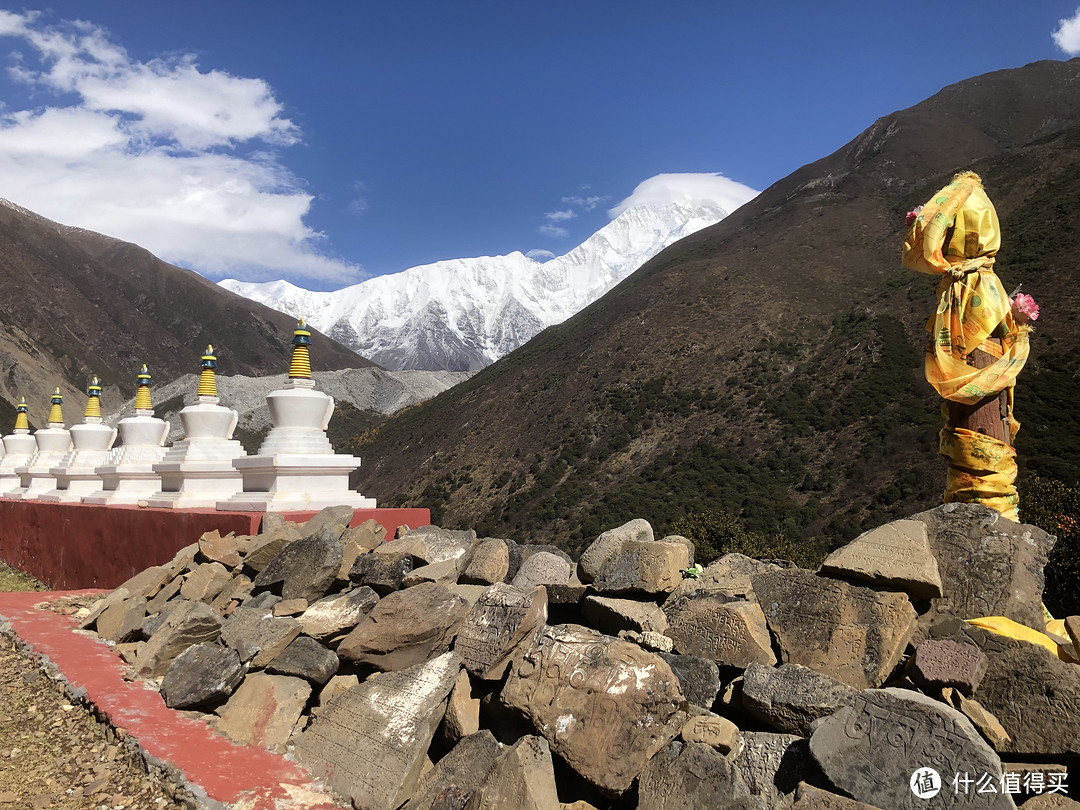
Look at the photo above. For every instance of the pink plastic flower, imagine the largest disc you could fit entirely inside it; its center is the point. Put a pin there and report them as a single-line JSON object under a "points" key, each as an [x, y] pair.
{"points": [[1025, 305], [912, 215]]}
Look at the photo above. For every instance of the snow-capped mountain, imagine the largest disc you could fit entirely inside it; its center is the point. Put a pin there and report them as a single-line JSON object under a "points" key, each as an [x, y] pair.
{"points": [[463, 314]]}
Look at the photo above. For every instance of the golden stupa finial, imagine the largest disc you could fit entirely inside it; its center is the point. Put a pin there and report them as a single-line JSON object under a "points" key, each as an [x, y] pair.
{"points": [[93, 401], [142, 393], [56, 413], [20, 415], [207, 380], [300, 366]]}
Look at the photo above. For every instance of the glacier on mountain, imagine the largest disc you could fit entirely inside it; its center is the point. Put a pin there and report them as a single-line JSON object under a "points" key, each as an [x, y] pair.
{"points": [[463, 314]]}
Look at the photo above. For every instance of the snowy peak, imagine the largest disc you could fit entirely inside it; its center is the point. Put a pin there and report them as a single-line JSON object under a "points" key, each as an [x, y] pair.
{"points": [[463, 314]]}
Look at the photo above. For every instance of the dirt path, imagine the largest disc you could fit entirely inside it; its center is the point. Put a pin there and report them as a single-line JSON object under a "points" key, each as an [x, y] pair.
{"points": [[54, 753]]}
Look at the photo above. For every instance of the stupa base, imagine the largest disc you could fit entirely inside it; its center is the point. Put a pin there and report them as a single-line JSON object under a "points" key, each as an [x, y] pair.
{"points": [[198, 485], [125, 485], [295, 482], [73, 487], [38, 486]]}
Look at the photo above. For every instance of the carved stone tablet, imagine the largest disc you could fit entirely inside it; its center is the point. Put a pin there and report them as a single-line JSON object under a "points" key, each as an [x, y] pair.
{"points": [[773, 765], [495, 625], [304, 568], [872, 748], [791, 697], [699, 678], [644, 566], [264, 710], [522, 778], [712, 626], [370, 742], [610, 544], [489, 563], [604, 705], [187, 624], [465, 767], [257, 635], [690, 776], [334, 614], [896, 555], [610, 615], [852, 633], [942, 662], [543, 568]]}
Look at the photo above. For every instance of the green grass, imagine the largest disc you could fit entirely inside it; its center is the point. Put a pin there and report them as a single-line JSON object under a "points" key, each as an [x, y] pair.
{"points": [[12, 580]]}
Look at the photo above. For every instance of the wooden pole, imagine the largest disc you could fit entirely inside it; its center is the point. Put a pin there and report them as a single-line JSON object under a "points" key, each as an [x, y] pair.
{"points": [[989, 416]]}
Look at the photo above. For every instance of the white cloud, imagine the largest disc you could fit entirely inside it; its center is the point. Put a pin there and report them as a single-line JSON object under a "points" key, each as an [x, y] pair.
{"points": [[711, 189], [1067, 35], [158, 153], [540, 255], [560, 216], [584, 203], [553, 230]]}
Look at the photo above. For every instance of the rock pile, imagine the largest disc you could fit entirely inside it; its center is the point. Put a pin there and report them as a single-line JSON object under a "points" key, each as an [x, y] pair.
{"points": [[439, 670]]}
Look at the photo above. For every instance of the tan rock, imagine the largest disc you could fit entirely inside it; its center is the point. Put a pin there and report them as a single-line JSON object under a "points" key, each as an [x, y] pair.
{"points": [[729, 633], [206, 582], [462, 710], [120, 621], [896, 555], [808, 797], [988, 725], [489, 563], [493, 627], [264, 710], [290, 607], [711, 729], [522, 778], [215, 548]]}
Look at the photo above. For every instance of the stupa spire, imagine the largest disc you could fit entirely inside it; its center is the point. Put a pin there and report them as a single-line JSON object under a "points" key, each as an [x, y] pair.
{"points": [[20, 415], [93, 402], [56, 413], [142, 394], [300, 367], [207, 380]]}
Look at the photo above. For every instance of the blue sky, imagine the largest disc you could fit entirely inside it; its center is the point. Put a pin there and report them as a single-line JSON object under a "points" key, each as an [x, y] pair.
{"points": [[329, 142]]}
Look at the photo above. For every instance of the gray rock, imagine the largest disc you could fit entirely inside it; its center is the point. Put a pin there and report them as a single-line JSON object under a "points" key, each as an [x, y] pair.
{"points": [[543, 568], [264, 710], [305, 658], [201, 676], [710, 625], [872, 749], [257, 635], [521, 777], [121, 621], [406, 628], [167, 592], [464, 768], [383, 572], [851, 633], [238, 590], [699, 678], [712, 730], [444, 572], [610, 544], [604, 705], [264, 547], [206, 582], [489, 563], [644, 566], [357, 540], [809, 797], [790, 698], [500, 620], [773, 765], [332, 615], [989, 566], [187, 624], [940, 663], [369, 743], [727, 576], [691, 776], [611, 615], [303, 569], [430, 544], [896, 555], [334, 518], [649, 640]]}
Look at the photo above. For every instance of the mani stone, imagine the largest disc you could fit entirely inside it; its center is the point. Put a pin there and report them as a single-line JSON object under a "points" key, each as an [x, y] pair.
{"points": [[305, 658], [257, 635], [604, 705], [543, 568], [854, 634], [488, 564], [896, 556], [711, 729], [215, 548], [430, 544], [333, 614], [1034, 694], [264, 710], [462, 710], [445, 572], [649, 640], [406, 628], [304, 569], [711, 626], [791, 697], [871, 749], [610, 544], [121, 621], [187, 624], [358, 540], [465, 768], [989, 565], [728, 576], [773, 765], [500, 620], [692, 776], [206, 582], [264, 547], [808, 797], [699, 678], [333, 518], [644, 566], [610, 615], [383, 572], [370, 742], [201, 675], [943, 663], [522, 777]]}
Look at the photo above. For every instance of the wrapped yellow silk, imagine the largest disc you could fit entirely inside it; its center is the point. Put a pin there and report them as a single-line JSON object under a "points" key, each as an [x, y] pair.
{"points": [[1003, 626], [956, 236]]}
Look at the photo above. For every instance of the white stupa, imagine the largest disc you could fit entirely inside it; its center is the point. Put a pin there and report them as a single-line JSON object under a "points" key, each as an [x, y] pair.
{"points": [[19, 446], [296, 468], [198, 471], [127, 474], [91, 442], [35, 477]]}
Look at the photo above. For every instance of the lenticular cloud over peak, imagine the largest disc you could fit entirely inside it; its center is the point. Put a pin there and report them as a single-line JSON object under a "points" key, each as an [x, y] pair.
{"points": [[708, 189]]}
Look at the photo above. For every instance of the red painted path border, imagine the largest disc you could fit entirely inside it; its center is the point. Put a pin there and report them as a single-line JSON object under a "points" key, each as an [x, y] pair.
{"points": [[240, 776]]}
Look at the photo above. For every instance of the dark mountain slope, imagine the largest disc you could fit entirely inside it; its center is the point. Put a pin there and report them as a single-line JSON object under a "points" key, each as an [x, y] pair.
{"points": [[75, 303], [769, 366]]}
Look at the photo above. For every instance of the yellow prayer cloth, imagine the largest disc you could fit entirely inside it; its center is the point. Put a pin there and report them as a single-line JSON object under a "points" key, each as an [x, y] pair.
{"points": [[957, 236], [981, 470], [1004, 626]]}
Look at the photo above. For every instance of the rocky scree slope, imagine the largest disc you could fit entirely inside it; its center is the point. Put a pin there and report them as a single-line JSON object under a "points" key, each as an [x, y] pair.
{"points": [[443, 670]]}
